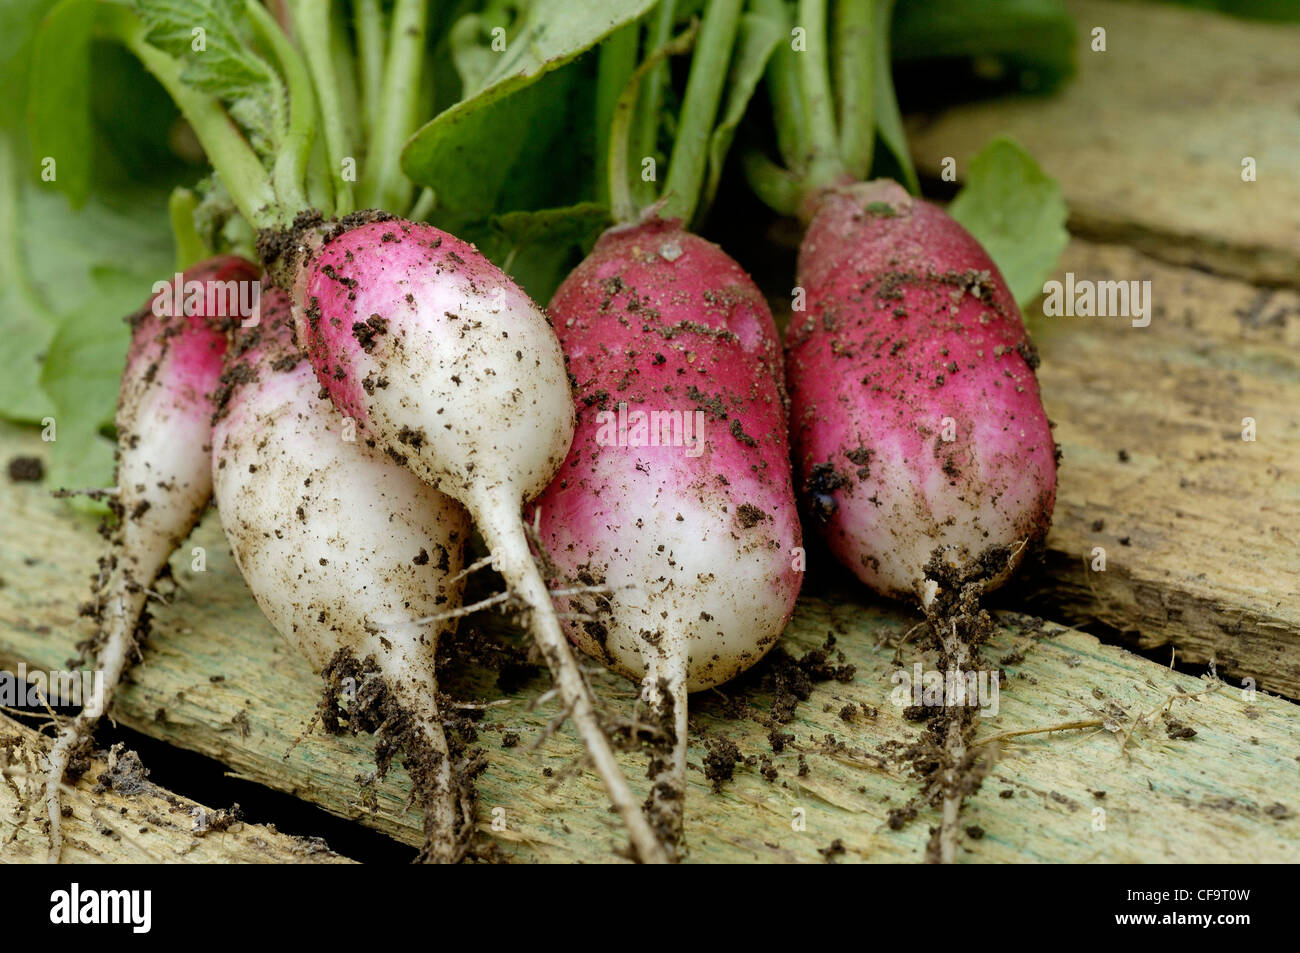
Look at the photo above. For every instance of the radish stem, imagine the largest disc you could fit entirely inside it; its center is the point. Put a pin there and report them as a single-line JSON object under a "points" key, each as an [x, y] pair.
{"points": [[385, 186], [782, 79], [646, 139], [855, 69], [370, 55], [824, 165], [779, 189], [344, 67], [615, 65], [423, 205], [704, 87], [289, 173], [190, 248], [313, 28], [889, 122], [240, 170], [622, 205]]}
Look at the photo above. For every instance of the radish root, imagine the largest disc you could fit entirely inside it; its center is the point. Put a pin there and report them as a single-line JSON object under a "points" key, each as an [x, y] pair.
{"points": [[958, 627], [441, 784], [113, 656], [504, 534]]}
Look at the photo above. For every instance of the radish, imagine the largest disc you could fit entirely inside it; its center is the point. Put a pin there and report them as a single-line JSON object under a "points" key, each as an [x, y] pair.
{"points": [[343, 549], [164, 480], [676, 493], [921, 443], [918, 430], [922, 451]]}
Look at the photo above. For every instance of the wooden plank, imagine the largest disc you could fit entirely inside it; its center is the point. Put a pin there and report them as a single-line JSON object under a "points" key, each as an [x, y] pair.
{"points": [[1200, 529], [1226, 794], [1148, 140], [131, 820]]}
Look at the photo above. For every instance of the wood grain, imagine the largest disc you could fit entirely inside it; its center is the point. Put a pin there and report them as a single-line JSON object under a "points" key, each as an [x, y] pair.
{"points": [[1148, 139], [129, 821], [1201, 529]]}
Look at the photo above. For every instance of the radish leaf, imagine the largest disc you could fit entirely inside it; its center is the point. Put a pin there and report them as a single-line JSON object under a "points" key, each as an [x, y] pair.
{"points": [[1016, 211], [59, 105], [212, 38], [469, 152]]}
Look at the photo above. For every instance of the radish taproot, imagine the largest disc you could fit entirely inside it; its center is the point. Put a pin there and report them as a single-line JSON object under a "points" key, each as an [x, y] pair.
{"points": [[676, 493], [163, 476], [344, 551], [458, 375]]}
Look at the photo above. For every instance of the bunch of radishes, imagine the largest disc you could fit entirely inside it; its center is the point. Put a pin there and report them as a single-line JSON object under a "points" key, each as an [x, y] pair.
{"points": [[397, 385]]}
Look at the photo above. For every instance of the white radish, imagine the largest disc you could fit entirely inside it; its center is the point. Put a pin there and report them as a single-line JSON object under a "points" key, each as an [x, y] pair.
{"points": [[345, 551]]}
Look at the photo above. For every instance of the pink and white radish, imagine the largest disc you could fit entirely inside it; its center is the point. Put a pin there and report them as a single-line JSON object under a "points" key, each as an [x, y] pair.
{"points": [[921, 445], [458, 375], [164, 481], [676, 493], [345, 552]]}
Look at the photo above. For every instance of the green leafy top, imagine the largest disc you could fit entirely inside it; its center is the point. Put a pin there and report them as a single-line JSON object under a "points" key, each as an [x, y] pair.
{"points": [[226, 63], [473, 152]]}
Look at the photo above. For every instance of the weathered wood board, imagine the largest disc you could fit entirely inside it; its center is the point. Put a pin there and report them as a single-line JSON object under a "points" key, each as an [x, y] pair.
{"points": [[1227, 794], [1149, 138], [1200, 528], [131, 821]]}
